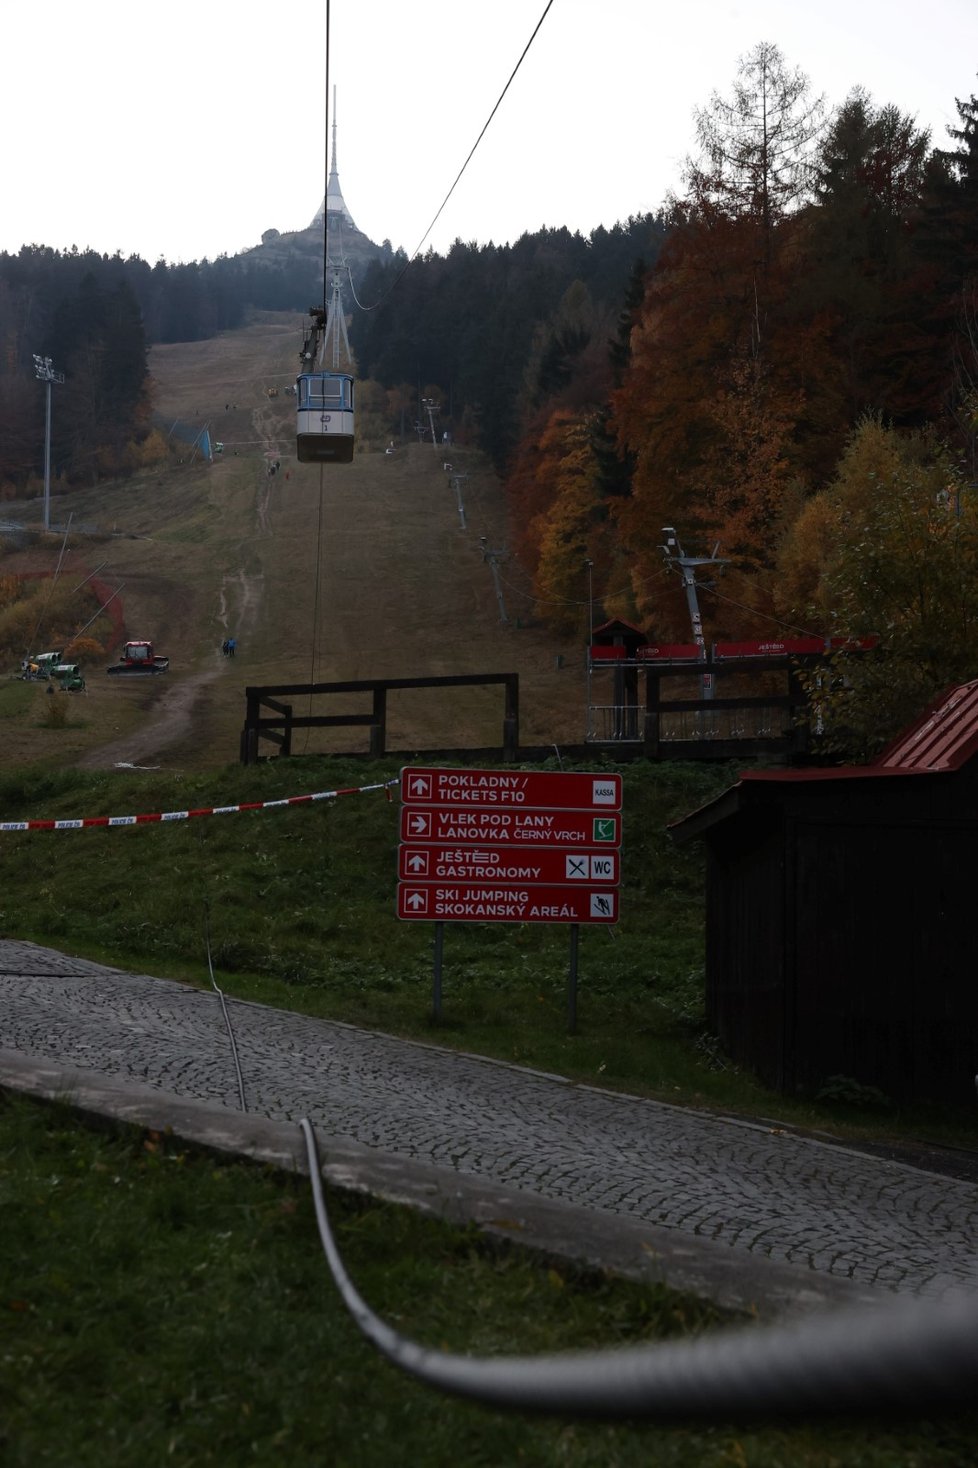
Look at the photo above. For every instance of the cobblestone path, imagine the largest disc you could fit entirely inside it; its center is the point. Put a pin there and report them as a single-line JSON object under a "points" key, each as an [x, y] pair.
{"points": [[753, 1188]]}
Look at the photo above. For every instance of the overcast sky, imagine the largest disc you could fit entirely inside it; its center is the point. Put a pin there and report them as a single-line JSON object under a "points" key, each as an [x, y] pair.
{"points": [[185, 128]]}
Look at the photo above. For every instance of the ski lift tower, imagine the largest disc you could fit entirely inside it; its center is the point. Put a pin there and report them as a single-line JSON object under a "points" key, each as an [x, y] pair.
{"points": [[327, 332], [673, 552]]}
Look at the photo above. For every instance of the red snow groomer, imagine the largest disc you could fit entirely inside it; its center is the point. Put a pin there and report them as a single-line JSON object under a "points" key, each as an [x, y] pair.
{"points": [[139, 657]]}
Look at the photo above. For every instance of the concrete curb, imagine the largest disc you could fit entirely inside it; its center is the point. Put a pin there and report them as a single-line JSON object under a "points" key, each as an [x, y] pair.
{"points": [[599, 1239]]}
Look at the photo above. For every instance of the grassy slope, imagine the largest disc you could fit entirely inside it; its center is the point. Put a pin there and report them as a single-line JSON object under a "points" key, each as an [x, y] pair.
{"points": [[367, 575], [159, 1306]]}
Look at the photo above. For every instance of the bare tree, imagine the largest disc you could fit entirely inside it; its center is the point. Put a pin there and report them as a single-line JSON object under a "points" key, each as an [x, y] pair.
{"points": [[756, 146]]}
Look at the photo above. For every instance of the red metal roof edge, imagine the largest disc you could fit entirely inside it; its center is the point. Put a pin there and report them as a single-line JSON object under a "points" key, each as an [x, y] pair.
{"points": [[936, 720], [940, 735]]}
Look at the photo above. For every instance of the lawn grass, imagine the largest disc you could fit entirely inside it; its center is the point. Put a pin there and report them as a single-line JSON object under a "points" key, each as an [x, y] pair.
{"points": [[158, 1305], [298, 908]]}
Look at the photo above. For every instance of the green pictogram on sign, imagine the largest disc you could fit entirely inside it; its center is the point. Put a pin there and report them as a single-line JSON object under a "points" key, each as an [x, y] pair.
{"points": [[604, 830]]}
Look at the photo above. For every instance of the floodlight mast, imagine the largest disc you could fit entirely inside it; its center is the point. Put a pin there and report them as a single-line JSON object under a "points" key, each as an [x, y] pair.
{"points": [[44, 372]]}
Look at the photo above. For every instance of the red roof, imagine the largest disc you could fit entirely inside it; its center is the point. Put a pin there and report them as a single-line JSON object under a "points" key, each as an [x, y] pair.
{"points": [[617, 627], [943, 739]]}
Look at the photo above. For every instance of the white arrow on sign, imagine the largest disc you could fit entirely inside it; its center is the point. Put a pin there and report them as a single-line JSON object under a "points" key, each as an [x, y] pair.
{"points": [[418, 862], [417, 900], [420, 785], [419, 825]]}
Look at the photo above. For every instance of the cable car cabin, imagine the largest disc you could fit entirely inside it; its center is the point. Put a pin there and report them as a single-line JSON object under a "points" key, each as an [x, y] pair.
{"points": [[324, 418]]}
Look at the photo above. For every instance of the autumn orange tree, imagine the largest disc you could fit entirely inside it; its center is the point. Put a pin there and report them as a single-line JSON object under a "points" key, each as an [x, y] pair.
{"points": [[567, 523], [891, 548], [720, 366]]}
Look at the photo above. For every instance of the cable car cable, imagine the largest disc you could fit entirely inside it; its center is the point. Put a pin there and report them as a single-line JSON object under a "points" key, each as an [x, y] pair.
{"points": [[465, 165], [325, 399]]}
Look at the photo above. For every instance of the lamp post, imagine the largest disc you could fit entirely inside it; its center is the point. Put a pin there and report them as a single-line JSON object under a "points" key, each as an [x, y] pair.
{"points": [[45, 373], [589, 567]]}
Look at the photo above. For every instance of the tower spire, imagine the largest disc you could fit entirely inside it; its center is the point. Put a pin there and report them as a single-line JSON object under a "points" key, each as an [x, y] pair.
{"points": [[333, 205], [332, 163]]}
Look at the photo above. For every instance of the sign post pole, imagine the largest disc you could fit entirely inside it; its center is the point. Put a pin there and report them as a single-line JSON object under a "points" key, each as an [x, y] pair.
{"points": [[436, 976], [572, 982]]}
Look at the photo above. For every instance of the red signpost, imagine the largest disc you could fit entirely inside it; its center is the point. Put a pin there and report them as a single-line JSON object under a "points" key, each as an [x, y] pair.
{"points": [[506, 864], [534, 828], [479, 825], [509, 846], [556, 791]]}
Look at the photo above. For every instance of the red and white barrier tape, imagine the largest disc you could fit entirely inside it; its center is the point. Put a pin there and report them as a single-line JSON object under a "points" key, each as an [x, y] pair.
{"points": [[187, 815]]}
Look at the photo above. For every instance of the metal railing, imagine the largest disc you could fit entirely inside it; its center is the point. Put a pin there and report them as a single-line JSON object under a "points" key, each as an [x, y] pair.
{"points": [[623, 723], [608, 722]]}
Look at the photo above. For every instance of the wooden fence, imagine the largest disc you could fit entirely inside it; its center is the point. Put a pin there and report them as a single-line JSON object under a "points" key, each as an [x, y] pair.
{"points": [[277, 724]]}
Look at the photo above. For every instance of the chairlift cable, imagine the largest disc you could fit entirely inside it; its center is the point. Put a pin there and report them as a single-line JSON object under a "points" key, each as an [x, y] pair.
{"points": [[764, 616]]}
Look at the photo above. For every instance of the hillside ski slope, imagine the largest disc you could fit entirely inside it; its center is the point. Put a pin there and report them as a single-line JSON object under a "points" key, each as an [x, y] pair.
{"points": [[340, 572]]}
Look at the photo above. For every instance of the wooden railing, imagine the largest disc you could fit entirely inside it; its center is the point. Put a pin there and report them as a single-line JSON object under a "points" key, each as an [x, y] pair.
{"points": [[277, 726]]}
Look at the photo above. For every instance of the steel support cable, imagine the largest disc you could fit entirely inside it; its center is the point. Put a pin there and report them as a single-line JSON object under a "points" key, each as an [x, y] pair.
{"points": [[401, 273], [908, 1356], [708, 587], [314, 654], [227, 1018], [326, 170], [54, 581]]}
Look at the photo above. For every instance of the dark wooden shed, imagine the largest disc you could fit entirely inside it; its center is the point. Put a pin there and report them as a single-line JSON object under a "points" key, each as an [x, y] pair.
{"points": [[841, 915]]}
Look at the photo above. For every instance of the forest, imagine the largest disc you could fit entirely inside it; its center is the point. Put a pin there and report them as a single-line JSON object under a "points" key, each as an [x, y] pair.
{"points": [[782, 363], [95, 316], [793, 383]]}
